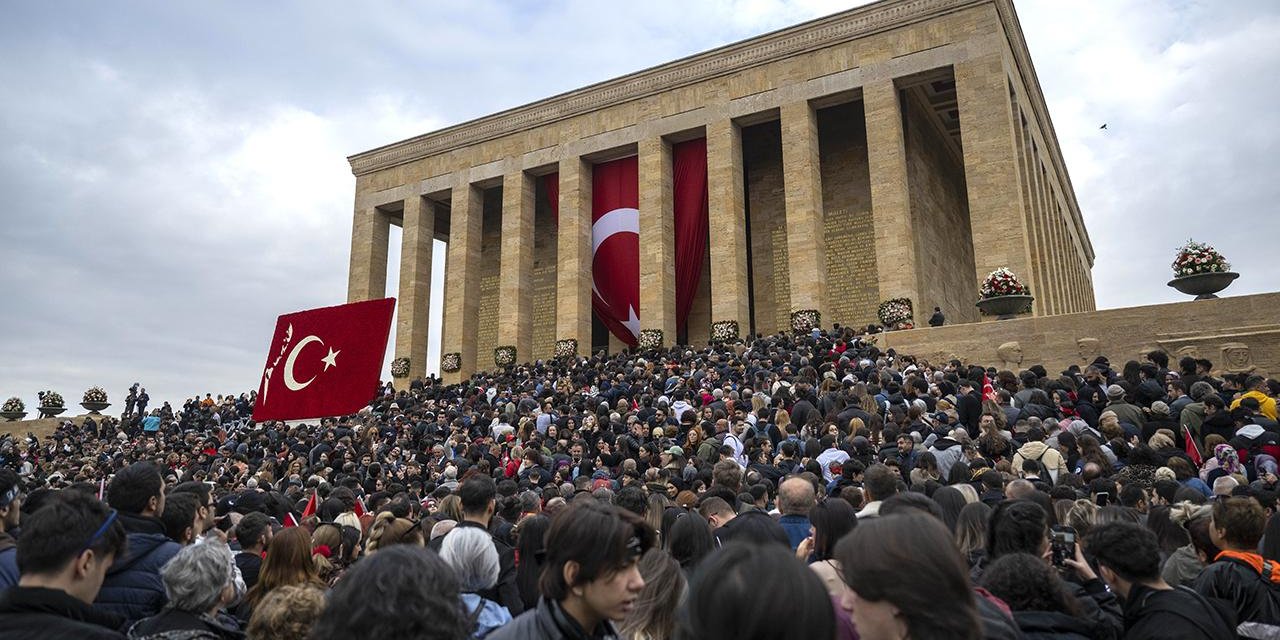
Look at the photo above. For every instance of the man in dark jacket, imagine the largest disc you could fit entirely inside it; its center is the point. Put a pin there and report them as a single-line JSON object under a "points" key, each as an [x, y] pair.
{"points": [[65, 549], [1128, 557], [1239, 575], [132, 588], [969, 406], [591, 577], [479, 501], [10, 513]]}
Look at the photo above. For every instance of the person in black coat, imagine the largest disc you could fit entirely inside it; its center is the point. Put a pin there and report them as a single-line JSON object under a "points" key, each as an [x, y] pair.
{"points": [[937, 319], [591, 575], [1239, 575], [1128, 557], [65, 549], [479, 502], [969, 406]]}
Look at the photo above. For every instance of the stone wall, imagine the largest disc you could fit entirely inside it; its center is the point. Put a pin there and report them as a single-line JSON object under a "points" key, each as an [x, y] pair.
{"points": [[490, 261], [852, 282], [544, 278], [1237, 334], [940, 207], [766, 217]]}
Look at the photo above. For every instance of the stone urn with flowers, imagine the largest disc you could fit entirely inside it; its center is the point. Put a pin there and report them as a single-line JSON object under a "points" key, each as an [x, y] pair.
{"points": [[1004, 296], [1200, 271]]}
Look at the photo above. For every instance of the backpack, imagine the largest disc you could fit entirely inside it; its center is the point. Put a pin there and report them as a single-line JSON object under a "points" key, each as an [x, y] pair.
{"points": [[1043, 470]]}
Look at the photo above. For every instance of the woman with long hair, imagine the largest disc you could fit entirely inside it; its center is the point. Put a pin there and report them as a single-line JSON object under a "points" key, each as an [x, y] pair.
{"points": [[971, 532], [288, 561], [333, 549], [906, 581], [689, 539], [531, 555], [829, 521], [654, 614]]}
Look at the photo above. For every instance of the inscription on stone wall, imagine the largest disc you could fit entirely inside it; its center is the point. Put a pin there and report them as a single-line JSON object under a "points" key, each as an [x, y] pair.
{"points": [[490, 267], [852, 281]]}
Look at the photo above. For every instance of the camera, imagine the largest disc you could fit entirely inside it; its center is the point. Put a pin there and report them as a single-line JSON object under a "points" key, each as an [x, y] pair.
{"points": [[1062, 544]]}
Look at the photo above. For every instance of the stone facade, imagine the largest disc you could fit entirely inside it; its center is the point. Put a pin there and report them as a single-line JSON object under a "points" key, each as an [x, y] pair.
{"points": [[1238, 335], [899, 149]]}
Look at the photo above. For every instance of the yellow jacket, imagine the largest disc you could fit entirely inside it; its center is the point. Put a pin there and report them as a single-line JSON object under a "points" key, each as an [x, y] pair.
{"points": [[1265, 402]]}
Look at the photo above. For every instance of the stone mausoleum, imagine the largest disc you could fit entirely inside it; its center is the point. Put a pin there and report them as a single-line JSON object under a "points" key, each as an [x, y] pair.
{"points": [[899, 149]]}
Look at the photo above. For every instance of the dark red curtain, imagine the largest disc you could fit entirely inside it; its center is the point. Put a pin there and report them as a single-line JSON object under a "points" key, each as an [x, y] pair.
{"points": [[551, 186], [689, 187]]}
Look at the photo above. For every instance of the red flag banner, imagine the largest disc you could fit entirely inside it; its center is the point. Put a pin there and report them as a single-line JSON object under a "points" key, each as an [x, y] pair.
{"points": [[615, 247], [324, 362]]}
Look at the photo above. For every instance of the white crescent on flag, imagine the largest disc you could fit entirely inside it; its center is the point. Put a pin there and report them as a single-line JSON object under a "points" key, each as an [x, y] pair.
{"points": [[621, 220]]}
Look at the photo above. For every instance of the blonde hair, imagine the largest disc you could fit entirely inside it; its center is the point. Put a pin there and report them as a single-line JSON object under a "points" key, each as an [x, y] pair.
{"points": [[388, 530], [286, 613]]}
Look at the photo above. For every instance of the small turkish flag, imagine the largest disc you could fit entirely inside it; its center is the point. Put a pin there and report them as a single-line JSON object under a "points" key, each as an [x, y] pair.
{"points": [[324, 362]]}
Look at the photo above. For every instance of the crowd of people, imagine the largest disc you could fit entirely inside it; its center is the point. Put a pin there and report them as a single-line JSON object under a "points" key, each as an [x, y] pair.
{"points": [[787, 486]]}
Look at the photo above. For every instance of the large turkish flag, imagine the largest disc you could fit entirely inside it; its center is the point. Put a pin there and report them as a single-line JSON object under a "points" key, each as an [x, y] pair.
{"points": [[324, 362], [615, 247]]}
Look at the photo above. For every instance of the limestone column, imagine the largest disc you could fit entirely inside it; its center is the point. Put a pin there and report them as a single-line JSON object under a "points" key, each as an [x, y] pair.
{"points": [[896, 264], [412, 316], [515, 279], [806, 244], [727, 219], [657, 241], [367, 277], [462, 279], [573, 255], [990, 165]]}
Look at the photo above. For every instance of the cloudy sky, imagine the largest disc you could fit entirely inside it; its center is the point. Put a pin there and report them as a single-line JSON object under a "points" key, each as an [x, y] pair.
{"points": [[174, 176]]}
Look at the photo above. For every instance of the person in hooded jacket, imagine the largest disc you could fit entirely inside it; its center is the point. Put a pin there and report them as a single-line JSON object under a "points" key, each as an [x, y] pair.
{"points": [[1128, 556], [1036, 449], [1240, 575], [133, 588]]}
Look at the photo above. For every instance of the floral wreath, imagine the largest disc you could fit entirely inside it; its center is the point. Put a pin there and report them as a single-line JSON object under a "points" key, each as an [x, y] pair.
{"points": [[805, 320], [52, 399], [400, 368]]}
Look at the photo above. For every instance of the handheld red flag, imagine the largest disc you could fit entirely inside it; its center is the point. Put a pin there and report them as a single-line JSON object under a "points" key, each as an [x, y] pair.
{"points": [[324, 362], [1192, 450], [310, 509]]}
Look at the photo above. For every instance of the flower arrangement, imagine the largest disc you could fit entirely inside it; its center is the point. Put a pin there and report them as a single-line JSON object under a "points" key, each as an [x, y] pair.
{"points": [[13, 405], [1198, 257], [504, 356], [566, 348], [451, 362], [724, 331], [400, 368], [95, 395], [650, 339], [896, 313], [1002, 282], [805, 320], [51, 399]]}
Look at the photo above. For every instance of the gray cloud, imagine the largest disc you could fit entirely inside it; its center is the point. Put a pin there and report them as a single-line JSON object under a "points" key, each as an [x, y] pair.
{"points": [[175, 173]]}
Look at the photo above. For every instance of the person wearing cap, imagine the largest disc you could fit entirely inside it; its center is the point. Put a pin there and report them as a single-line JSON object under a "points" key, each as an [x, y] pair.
{"points": [[1160, 418], [1124, 411]]}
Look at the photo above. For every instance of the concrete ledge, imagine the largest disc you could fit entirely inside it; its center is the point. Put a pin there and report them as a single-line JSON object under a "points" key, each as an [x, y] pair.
{"points": [[1238, 334]]}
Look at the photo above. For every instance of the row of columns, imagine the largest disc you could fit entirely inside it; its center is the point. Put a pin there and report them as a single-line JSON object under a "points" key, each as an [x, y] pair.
{"points": [[995, 205]]}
